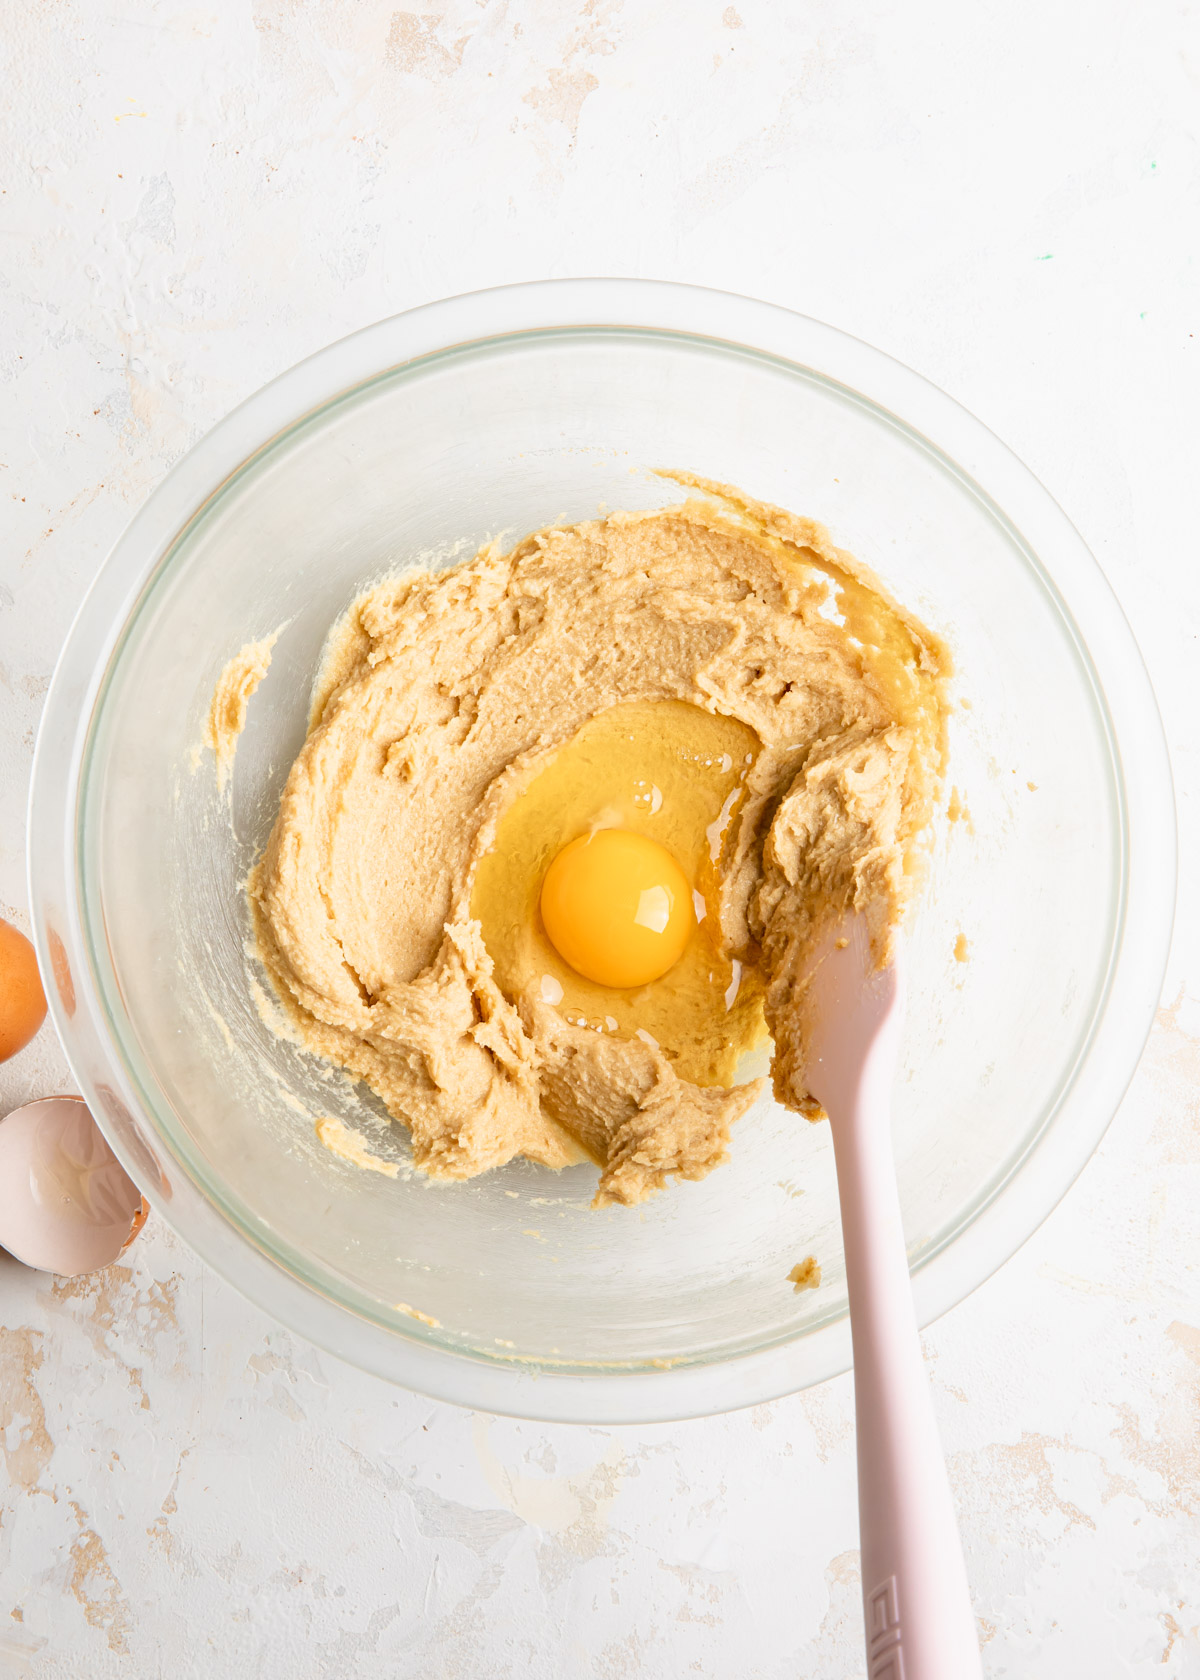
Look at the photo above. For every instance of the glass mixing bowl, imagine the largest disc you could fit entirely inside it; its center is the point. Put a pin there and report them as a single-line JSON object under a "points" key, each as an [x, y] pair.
{"points": [[416, 440]]}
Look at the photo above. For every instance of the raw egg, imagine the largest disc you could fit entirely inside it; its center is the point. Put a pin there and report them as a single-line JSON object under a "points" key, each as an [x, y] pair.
{"points": [[617, 907], [644, 799], [67, 1205], [22, 1000]]}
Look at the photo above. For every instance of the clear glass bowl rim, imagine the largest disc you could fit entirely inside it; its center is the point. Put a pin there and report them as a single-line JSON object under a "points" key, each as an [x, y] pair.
{"points": [[1029, 1191]]}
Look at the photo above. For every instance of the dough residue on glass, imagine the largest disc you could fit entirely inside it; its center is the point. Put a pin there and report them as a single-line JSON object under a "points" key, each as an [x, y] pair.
{"points": [[421, 1318], [343, 1141], [231, 698], [453, 691]]}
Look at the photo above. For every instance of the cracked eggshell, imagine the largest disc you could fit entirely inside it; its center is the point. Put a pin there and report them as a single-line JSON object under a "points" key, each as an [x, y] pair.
{"points": [[66, 1203]]}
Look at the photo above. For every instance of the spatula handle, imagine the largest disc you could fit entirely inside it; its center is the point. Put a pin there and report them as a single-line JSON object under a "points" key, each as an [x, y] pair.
{"points": [[919, 1622]]}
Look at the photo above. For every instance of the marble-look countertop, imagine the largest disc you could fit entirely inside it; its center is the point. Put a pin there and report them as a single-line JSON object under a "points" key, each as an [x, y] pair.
{"points": [[195, 195]]}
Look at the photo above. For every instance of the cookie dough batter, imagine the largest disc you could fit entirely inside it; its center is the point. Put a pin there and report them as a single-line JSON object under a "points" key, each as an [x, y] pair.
{"points": [[446, 693]]}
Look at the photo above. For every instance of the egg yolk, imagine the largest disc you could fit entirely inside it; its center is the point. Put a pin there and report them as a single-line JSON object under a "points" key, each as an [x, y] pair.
{"points": [[617, 907]]}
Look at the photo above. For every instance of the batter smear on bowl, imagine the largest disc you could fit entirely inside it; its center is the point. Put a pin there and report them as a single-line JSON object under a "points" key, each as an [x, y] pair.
{"points": [[714, 678]]}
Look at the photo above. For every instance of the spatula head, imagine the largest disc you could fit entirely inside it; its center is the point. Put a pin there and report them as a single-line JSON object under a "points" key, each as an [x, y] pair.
{"points": [[853, 1012]]}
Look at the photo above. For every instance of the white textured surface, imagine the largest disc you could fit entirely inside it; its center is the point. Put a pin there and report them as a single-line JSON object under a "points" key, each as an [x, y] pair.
{"points": [[195, 196]]}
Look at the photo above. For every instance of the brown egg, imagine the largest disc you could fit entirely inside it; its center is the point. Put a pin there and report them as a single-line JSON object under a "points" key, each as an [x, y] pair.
{"points": [[22, 1000], [67, 1205]]}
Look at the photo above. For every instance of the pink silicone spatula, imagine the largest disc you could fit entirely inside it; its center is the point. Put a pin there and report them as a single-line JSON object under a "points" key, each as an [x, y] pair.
{"points": [[919, 1623]]}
